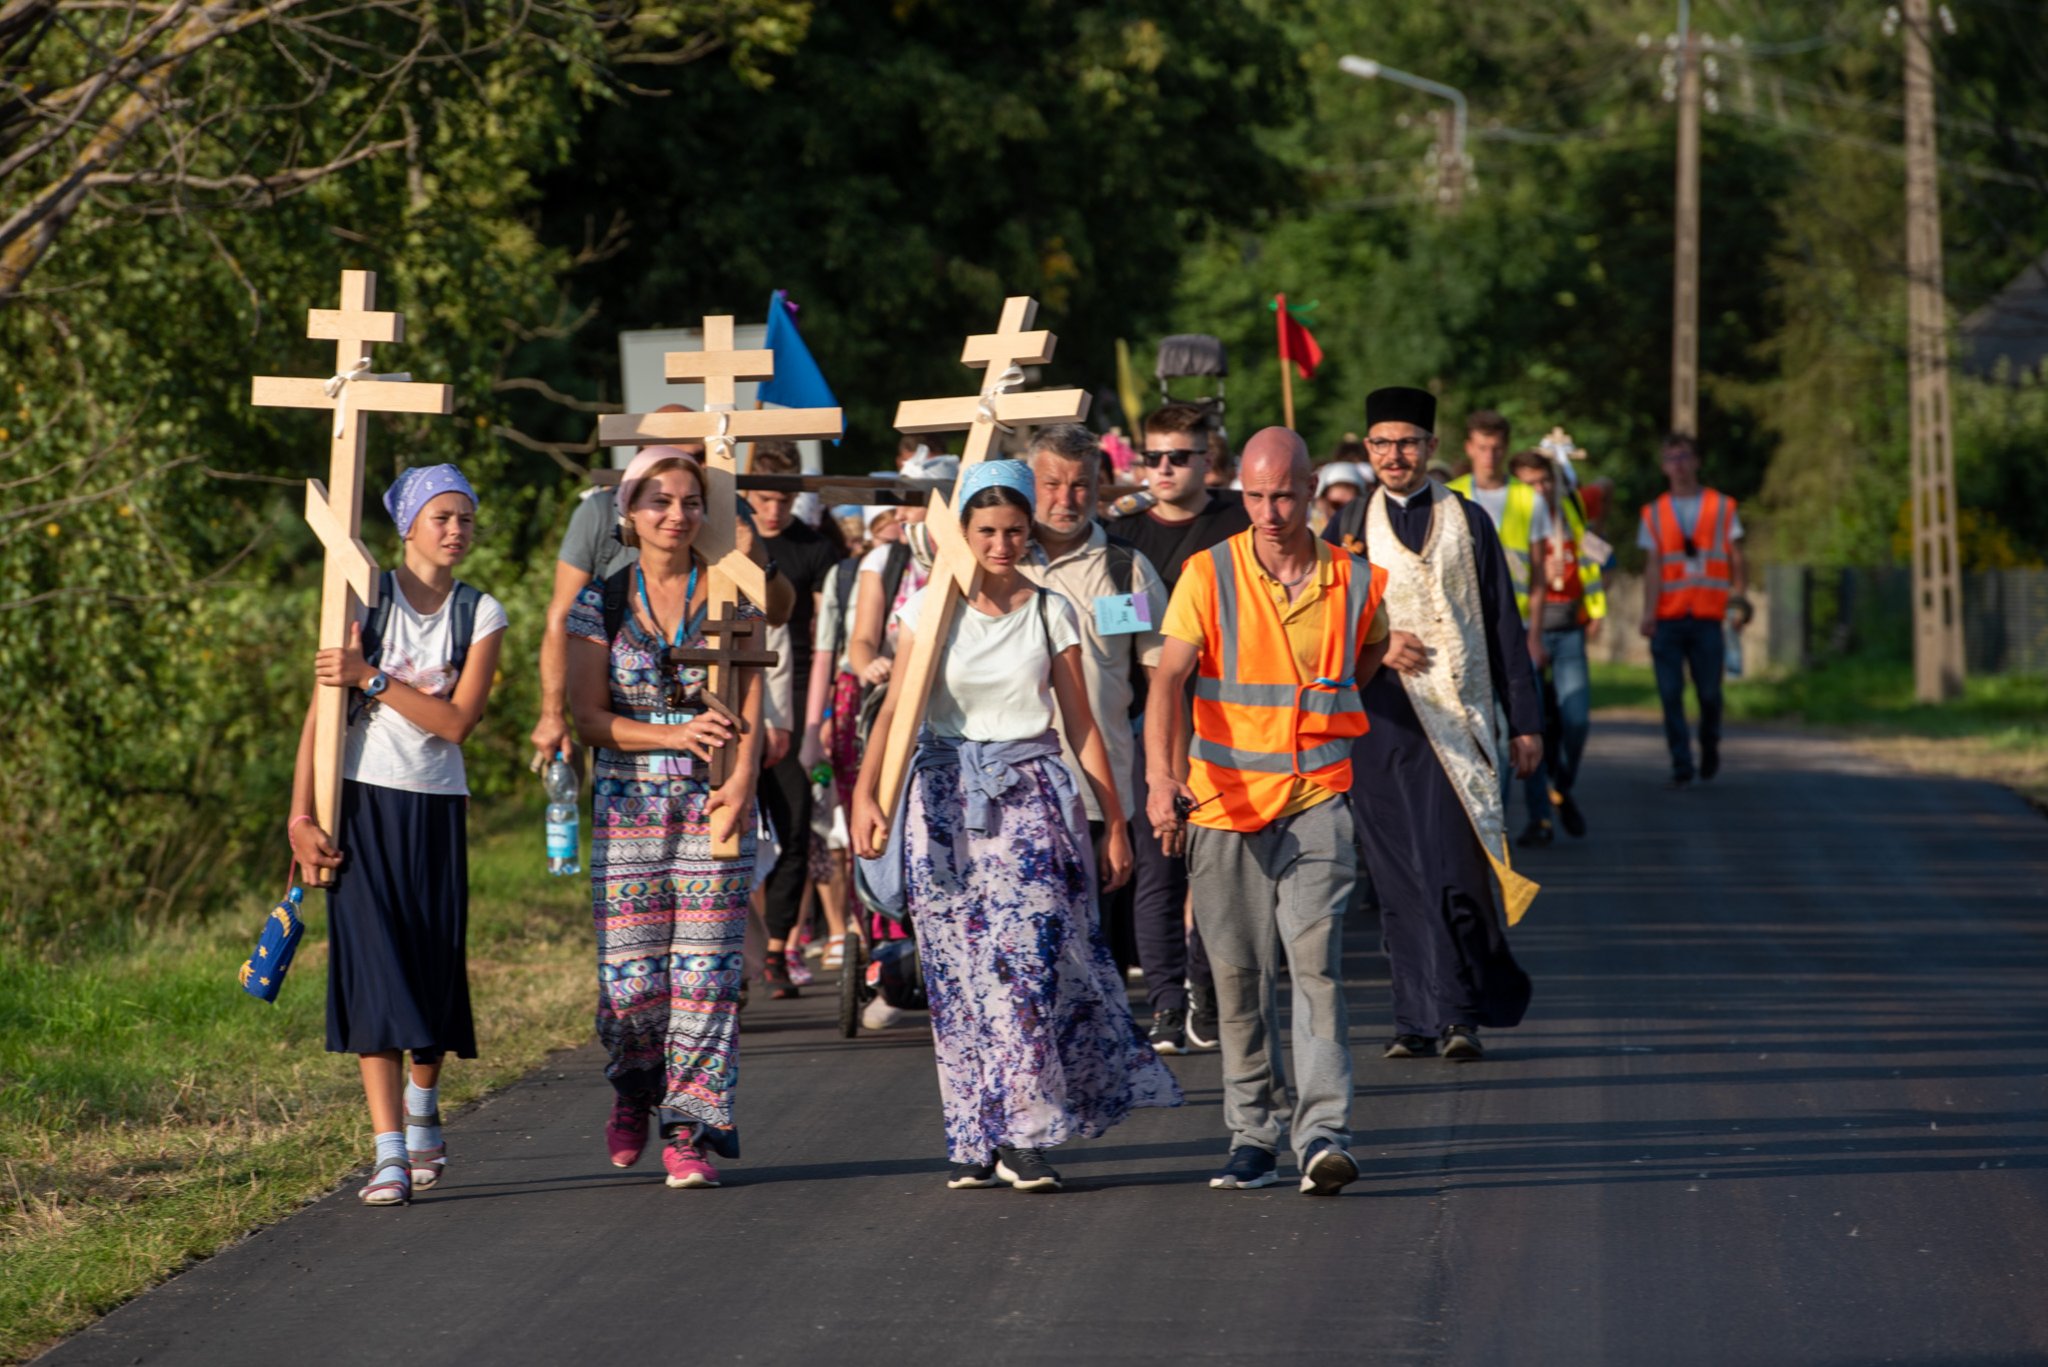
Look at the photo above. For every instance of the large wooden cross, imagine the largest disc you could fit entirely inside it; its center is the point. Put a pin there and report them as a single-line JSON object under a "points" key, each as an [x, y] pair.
{"points": [[336, 508], [955, 572], [721, 426]]}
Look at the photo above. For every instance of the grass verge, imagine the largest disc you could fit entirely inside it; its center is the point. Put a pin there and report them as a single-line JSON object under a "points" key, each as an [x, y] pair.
{"points": [[1997, 731], [151, 1113]]}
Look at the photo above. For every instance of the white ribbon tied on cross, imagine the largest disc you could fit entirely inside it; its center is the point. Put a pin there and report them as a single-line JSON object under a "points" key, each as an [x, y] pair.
{"points": [[1007, 382], [723, 436], [336, 388]]}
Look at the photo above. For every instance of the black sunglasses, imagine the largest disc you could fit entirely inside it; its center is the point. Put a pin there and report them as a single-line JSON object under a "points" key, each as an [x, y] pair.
{"points": [[680, 691], [1179, 460]]}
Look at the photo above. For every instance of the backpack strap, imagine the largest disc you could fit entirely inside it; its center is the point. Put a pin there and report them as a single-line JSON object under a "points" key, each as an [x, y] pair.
{"points": [[1123, 563], [846, 576], [374, 628], [893, 566], [616, 587], [462, 623]]}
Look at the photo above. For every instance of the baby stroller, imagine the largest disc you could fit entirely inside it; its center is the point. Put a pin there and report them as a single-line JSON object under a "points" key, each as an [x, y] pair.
{"points": [[875, 965]]}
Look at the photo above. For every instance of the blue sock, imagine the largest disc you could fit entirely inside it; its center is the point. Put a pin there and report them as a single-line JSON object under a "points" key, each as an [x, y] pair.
{"points": [[390, 1149], [422, 1101]]}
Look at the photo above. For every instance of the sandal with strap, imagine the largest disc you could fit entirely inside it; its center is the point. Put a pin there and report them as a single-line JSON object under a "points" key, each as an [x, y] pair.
{"points": [[426, 1164], [390, 1185]]}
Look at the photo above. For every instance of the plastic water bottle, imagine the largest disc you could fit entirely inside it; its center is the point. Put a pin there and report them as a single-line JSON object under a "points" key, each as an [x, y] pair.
{"points": [[564, 832]]}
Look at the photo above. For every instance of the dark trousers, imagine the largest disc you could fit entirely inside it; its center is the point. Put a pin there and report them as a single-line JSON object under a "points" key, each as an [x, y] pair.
{"points": [[785, 795], [1113, 909], [1681, 644], [1169, 950]]}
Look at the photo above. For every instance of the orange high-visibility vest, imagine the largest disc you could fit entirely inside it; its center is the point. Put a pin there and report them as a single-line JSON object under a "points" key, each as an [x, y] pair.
{"points": [[1684, 592], [1258, 725]]}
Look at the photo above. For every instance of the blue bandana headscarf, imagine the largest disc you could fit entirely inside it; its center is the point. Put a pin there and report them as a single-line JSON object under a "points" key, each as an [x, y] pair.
{"points": [[1010, 474], [410, 492]]}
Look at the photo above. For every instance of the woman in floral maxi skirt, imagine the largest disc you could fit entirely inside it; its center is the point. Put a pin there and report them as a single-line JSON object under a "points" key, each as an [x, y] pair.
{"points": [[1034, 1034]]}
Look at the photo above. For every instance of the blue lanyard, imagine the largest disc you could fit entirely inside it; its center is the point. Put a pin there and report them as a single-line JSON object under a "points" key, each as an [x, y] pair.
{"points": [[688, 626]]}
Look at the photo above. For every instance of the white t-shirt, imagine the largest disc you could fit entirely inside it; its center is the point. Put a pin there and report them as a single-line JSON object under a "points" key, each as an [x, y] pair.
{"points": [[995, 678], [384, 748]]}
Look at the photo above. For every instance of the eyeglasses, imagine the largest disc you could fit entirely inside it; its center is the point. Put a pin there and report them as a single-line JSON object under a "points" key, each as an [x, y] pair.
{"points": [[1179, 460], [1410, 446]]}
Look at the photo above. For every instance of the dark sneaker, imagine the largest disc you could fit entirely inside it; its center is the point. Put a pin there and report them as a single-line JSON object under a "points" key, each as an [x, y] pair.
{"points": [[1535, 835], [1710, 761], [1249, 1167], [1409, 1046], [1461, 1044], [1327, 1170], [1568, 812], [970, 1175], [776, 975], [1201, 1017], [1170, 1031], [1026, 1169], [1678, 783]]}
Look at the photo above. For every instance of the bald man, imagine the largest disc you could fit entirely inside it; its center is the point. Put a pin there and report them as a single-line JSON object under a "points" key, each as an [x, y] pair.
{"points": [[1278, 631]]}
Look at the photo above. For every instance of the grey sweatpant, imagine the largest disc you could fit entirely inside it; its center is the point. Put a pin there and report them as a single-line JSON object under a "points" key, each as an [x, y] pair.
{"points": [[1284, 886]]}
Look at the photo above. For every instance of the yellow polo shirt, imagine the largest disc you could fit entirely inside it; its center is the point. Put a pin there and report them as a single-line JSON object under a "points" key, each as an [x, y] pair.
{"points": [[1302, 619]]}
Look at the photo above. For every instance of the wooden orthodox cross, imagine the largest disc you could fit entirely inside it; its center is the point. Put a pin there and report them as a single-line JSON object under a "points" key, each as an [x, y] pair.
{"points": [[721, 426], [336, 508], [955, 573]]}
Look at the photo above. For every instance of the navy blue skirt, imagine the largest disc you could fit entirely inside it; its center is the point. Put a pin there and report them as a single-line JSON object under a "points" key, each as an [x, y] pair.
{"points": [[398, 925]]}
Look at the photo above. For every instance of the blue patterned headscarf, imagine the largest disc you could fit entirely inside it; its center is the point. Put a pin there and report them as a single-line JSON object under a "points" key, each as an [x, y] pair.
{"points": [[413, 488], [1009, 474]]}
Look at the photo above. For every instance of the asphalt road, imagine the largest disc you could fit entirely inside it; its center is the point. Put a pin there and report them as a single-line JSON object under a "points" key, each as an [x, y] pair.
{"points": [[1780, 1100]]}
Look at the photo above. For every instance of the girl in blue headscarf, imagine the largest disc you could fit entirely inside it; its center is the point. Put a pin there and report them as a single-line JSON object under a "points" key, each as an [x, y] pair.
{"points": [[398, 905], [1033, 1029]]}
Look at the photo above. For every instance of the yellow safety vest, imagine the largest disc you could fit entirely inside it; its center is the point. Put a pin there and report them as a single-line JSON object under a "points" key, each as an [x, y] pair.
{"points": [[1515, 526]]}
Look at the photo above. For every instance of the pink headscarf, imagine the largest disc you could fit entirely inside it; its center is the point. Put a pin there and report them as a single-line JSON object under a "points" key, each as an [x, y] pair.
{"points": [[649, 457]]}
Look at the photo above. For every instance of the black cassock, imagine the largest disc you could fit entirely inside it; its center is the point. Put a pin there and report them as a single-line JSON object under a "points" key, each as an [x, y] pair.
{"points": [[1447, 949]]}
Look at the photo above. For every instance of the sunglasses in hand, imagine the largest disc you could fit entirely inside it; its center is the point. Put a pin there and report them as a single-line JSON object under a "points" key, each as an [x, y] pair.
{"points": [[1178, 459]]}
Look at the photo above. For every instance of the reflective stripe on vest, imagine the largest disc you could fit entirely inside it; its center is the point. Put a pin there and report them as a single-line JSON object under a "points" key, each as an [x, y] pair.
{"points": [[1682, 592], [1258, 762], [1592, 594], [1334, 696]]}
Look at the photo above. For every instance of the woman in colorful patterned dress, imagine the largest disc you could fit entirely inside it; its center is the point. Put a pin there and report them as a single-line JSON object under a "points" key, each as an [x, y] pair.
{"points": [[1034, 1034], [398, 910], [671, 920]]}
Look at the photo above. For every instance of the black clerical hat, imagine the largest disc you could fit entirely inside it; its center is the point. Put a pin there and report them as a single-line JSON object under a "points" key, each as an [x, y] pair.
{"points": [[1398, 403]]}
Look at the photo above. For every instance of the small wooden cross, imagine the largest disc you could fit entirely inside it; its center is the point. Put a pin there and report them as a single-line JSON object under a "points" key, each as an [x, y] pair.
{"points": [[724, 693], [336, 508], [721, 427], [1002, 353]]}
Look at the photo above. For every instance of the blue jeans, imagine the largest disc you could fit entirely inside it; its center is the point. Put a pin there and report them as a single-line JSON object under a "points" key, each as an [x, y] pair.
{"points": [[1567, 718], [1683, 643]]}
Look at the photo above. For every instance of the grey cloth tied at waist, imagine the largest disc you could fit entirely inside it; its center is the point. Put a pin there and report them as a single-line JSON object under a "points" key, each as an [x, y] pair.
{"points": [[988, 770]]}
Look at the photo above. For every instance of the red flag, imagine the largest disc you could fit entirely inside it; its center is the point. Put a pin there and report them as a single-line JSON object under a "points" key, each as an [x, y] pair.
{"points": [[1296, 344]]}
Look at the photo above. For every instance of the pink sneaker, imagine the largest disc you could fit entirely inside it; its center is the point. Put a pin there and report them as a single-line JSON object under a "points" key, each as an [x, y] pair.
{"points": [[686, 1165], [625, 1134]]}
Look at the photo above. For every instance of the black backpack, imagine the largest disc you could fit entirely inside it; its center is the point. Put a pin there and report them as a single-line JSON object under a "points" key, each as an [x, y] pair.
{"points": [[463, 600]]}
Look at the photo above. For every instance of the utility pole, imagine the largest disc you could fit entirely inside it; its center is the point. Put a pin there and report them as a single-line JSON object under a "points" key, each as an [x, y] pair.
{"points": [[1937, 588], [1450, 162], [1685, 260]]}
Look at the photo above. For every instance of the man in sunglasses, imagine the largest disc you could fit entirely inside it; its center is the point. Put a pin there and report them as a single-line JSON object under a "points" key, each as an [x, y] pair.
{"points": [[1694, 542], [1187, 519], [1428, 794]]}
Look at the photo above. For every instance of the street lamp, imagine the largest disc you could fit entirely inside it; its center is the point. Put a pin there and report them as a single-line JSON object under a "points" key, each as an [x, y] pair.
{"points": [[1452, 160]]}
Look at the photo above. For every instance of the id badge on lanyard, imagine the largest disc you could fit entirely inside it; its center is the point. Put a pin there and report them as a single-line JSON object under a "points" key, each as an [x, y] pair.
{"points": [[670, 763]]}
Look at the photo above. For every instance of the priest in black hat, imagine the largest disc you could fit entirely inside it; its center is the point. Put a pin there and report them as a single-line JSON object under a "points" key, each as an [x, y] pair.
{"points": [[1427, 791]]}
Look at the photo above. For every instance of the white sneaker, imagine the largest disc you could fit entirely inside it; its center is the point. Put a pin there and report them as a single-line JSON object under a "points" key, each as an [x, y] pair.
{"points": [[879, 1015]]}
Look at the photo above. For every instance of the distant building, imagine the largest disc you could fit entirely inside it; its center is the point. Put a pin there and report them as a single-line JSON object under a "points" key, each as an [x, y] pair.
{"points": [[2012, 327]]}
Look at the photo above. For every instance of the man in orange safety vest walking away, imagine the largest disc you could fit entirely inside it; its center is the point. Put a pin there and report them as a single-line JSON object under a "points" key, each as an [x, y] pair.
{"points": [[1278, 631], [1694, 541]]}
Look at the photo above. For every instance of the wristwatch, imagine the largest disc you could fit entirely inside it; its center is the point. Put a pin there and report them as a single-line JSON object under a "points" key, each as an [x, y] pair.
{"points": [[377, 684]]}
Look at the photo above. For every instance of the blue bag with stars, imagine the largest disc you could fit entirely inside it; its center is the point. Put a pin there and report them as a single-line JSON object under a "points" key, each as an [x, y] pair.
{"points": [[264, 972]]}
